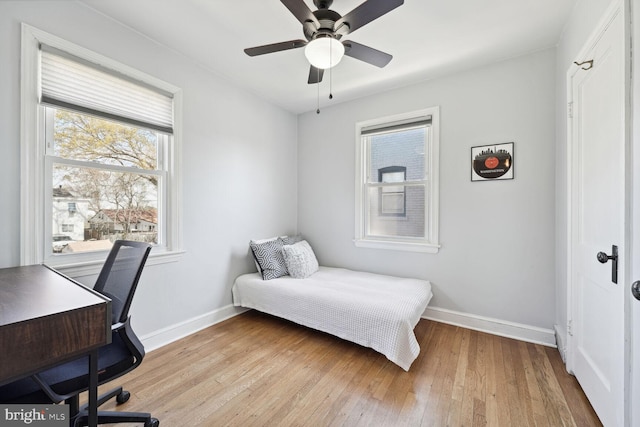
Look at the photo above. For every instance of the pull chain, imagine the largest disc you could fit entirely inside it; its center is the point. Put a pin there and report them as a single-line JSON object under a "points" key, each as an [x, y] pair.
{"points": [[331, 83], [330, 71], [318, 87]]}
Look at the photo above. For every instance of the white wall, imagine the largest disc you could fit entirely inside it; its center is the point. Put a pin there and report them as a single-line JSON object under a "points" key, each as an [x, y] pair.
{"points": [[579, 27], [497, 257], [238, 152]]}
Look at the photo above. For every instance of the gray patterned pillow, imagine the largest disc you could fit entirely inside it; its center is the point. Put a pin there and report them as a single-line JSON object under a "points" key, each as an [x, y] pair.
{"points": [[300, 260], [268, 255]]}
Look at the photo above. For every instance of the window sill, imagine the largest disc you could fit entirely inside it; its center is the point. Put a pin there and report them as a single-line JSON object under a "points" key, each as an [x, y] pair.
{"points": [[93, 267], [398, 246]]}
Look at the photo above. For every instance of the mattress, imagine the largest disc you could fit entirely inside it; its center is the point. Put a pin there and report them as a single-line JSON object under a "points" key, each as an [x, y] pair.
{"points": [[372, 310]]}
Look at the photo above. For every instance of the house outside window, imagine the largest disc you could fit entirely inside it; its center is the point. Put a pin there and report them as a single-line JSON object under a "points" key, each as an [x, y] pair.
{"points": [[69, 215], [105, 138], [397, 182]]}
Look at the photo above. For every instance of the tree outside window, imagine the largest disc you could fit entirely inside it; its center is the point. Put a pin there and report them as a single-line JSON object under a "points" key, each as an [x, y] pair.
{"points": [[111, 166]]}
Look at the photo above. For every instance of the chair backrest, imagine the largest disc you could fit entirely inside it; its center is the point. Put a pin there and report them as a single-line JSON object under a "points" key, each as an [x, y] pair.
{"points": [[119, 276]]}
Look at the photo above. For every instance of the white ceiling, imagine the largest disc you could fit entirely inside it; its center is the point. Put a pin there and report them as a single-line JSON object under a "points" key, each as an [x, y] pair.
{"points": [[427, 38]]}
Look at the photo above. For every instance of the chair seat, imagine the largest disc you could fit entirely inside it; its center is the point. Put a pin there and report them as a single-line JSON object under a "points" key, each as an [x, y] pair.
{"points": [[72, 376]]}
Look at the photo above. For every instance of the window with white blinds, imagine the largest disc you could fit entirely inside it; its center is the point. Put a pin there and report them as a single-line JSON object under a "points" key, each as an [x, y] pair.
{"points": [[71, 82], [104, 138], [397, 182]]}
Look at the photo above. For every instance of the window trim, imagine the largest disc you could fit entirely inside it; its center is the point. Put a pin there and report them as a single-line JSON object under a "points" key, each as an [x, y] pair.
{"points": [[32, 161], [431, 243]]}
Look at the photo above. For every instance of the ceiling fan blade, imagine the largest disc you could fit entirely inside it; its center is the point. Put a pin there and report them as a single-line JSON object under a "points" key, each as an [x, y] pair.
{"points": [[367, 12], [275, 47], [315, 75], [301, 11], [366, 53]]}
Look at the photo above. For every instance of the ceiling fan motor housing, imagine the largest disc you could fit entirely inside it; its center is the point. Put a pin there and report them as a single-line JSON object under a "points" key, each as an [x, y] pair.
{"points": [[327, 19]]}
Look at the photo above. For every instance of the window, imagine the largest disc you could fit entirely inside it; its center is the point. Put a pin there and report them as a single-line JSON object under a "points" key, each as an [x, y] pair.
{"points": [[101, 154], [115, 169], [397, 182]]}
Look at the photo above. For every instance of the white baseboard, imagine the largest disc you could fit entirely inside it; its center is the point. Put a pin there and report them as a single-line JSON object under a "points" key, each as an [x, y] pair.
{"points": [[180, 330], [502, 328]]}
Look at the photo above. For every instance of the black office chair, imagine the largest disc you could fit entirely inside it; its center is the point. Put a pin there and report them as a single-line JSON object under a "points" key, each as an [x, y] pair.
{"points": [[118, 280]]}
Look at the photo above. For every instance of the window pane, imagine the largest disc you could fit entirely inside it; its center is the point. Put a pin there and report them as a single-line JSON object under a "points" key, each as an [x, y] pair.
{"points": [[107, 206], [397, 214], [88, 138], [403, 148], [393, 177]]}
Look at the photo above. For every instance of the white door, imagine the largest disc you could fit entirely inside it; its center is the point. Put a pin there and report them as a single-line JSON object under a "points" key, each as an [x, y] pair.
{"points": [[598, 203], [634, 333]]}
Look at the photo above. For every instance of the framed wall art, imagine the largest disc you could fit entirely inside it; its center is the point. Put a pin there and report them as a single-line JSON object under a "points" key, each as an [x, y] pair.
{"points": [[492, 162]]}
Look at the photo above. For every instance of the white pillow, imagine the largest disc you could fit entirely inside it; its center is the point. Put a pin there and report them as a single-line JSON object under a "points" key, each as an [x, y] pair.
{"points": [[300, 260]]}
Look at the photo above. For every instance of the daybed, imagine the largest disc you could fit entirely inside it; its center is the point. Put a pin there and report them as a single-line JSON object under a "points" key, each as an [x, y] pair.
{"points": [[372, 310]]}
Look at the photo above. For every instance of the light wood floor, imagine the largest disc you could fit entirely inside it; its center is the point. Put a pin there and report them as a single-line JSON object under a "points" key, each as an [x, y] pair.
{"points": [[258, 370]]}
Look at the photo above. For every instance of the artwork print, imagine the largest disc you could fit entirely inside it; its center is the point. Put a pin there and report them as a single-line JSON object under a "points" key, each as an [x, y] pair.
{"points": [[492, 162]]}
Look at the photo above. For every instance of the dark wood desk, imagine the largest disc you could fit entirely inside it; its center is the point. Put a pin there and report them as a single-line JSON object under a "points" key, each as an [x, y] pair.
{"points": [[47, 318]]}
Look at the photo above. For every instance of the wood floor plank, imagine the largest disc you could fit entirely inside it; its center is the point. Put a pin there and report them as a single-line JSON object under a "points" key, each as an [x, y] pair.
{"points": [[439, 397], [581, 410], [329, 383], [555, 404], [491, 404], [356, 397], [258, 370], [461, 405], [521, 384], [479, 371]]}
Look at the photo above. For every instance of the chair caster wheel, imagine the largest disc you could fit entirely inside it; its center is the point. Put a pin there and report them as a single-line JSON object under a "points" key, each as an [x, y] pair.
{"points": [[152, 423], [123, 396]]}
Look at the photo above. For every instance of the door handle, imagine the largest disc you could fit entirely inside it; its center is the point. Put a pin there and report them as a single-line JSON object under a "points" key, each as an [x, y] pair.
{"points": [[635, 289], [604, 258]]}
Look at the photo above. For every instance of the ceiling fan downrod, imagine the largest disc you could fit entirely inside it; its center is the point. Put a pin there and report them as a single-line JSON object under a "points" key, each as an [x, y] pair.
{"points": [[323, 4]]}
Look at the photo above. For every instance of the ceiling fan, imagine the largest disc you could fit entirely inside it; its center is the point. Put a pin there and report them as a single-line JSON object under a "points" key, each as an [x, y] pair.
{"points": [[324, 29]]}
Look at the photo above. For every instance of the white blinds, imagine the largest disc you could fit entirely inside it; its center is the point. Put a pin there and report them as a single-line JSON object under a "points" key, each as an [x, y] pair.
{"points": [[74, 83], [394, 126]]}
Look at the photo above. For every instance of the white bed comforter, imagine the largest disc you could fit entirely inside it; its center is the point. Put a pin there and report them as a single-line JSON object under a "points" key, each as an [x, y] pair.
{"points": [[369, 309]]}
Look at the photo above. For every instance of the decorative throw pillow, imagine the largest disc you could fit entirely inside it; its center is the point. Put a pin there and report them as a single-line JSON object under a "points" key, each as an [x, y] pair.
{"points": [[300, 260], [268, 256], [255, 260]]}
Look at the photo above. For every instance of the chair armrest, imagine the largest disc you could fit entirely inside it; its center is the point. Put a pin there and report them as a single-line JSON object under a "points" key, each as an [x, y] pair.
{"points": [[125, 332], [55, 397]]}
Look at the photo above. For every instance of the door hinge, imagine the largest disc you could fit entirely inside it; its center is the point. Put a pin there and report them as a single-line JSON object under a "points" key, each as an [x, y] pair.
{"points": [[570, 109], [570, 327]]}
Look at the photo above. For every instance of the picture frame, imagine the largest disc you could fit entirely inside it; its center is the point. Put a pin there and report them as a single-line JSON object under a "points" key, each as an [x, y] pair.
{"points": [[492, 162]]}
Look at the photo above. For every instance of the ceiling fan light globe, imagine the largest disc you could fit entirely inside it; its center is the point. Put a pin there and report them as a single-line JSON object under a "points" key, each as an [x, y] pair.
{"points": [[324, 52]]}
